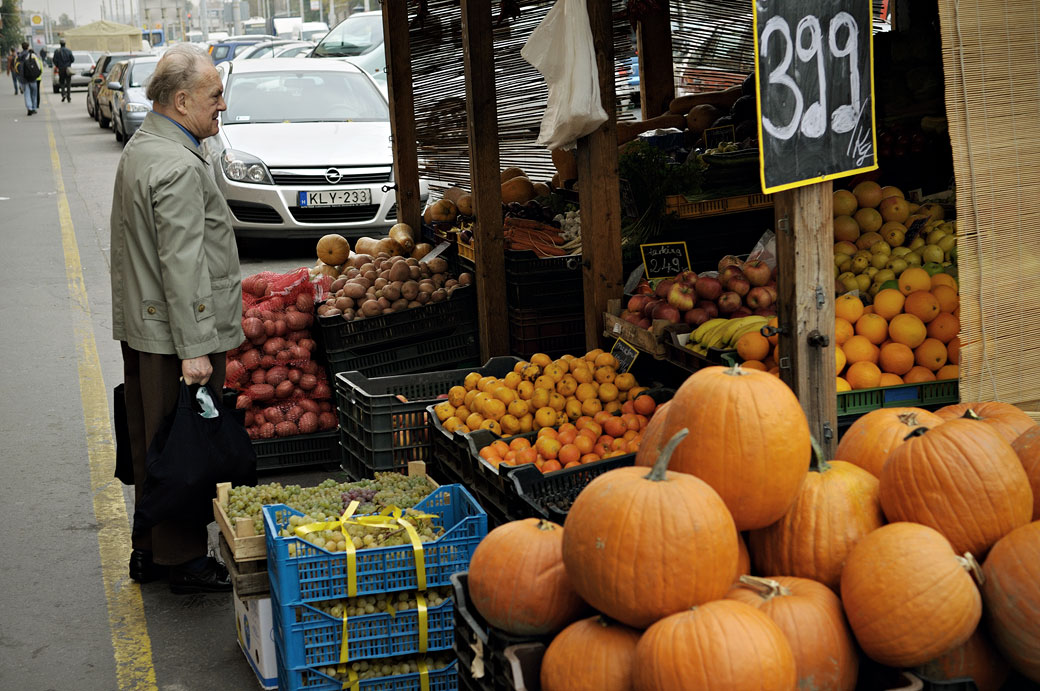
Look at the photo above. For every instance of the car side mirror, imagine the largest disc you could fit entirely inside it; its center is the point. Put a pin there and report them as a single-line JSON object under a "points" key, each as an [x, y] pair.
{"points": [[114, 86]]}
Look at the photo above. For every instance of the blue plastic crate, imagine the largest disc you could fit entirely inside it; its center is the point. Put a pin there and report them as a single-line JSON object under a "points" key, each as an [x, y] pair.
{"points": [[310, 637], [315, 574], [293, 679]]}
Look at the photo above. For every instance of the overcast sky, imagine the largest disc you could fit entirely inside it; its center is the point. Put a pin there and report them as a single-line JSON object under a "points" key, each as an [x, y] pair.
{"points": [[82, 11]]}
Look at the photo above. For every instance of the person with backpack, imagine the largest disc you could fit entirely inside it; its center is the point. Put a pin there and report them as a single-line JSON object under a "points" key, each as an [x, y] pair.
{"points": [[12, 58], [63, 60], [31, 71]]}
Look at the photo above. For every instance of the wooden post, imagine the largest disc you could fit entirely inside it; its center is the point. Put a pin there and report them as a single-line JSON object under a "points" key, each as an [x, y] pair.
{"points": [[656, 81], [402, 113], [485, 176], [805, 278], [598, 191]]}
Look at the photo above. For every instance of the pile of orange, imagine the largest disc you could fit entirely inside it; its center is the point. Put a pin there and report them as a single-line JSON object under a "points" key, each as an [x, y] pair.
{"points": [[906, 336], [586, 440], [539, 393]]}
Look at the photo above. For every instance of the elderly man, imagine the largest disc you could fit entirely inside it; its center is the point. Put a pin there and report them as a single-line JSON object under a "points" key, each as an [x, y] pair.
{"points": [[176, 288]]}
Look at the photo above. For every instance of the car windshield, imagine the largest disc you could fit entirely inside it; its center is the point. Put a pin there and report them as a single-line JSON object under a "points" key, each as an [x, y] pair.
{"points": [[141, 72], [294, 51], [219, 52], [303, 97], [355, 36], [81, 58]]}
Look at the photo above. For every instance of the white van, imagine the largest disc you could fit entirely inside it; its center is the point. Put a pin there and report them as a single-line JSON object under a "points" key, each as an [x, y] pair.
{"points": [[312, 31]]}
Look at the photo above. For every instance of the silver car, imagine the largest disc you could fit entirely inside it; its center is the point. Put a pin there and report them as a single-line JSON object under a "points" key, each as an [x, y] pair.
{"points": [[129, 103], [80, 70], [304, 149], [272, 49]]}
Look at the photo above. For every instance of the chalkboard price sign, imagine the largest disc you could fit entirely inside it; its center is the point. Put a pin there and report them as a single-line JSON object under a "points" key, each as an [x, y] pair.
{"points": [[625, 354], [665, 259], [815, 90]]}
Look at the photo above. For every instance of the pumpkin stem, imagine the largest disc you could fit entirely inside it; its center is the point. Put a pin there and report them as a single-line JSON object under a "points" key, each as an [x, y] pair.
{"points": [[736, 370], [915, 432], [767, 588], [908, 419], [657, 473], [546, 525], [971, 565], [970, 414], [819, 465]]}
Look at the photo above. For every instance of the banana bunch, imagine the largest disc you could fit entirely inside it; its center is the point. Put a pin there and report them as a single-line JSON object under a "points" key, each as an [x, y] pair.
{"points": [[723, 333]]}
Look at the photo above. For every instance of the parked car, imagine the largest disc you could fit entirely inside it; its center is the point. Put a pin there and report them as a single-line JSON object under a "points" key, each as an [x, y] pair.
{"points": [[300, 50], [82, 68], [304, 149], [130, 105], [222, 51], [270, 49], [102, 66], [359, 34], [103, 107]]}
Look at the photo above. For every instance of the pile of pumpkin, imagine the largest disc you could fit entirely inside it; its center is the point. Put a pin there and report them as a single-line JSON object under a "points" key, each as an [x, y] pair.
{"points": [[659, 557]]}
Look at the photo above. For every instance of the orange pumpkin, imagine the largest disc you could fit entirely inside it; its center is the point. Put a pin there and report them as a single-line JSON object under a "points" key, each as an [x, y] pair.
{"points": [[976, 659], [837, 505], [1012, 594], [743, 557], [639, 546], [333, 249], [872, 437], [723, 644], [1005, 418], [811, 618], [1027, 447], [960, 478], [518, 189], [593, 654], [517, 580], [749, 440], [908, 597]]}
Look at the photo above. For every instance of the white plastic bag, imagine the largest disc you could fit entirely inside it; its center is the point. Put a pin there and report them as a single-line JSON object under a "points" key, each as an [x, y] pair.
{"points": [[561, 49]]}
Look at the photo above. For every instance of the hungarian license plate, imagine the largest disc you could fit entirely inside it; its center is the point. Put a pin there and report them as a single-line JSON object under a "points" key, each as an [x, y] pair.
{"points": [[337, 198]]}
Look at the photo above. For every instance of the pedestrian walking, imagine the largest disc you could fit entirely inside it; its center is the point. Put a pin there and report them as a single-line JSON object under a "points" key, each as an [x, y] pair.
{"points": [[12, 59], [30, 69], [63, 60], [176, 289]]}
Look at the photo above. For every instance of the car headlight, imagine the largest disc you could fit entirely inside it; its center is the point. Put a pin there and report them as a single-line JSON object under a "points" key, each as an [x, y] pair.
{"points": [[137, 108], [243, 167]]}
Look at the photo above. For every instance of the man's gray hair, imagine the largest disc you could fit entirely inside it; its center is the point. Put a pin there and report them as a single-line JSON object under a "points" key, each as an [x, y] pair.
{"points": [[179, 69]]}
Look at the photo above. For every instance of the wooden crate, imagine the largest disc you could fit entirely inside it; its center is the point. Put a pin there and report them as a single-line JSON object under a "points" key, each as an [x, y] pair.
{"points": [[678, 205], [248, 577], [648, 341]]}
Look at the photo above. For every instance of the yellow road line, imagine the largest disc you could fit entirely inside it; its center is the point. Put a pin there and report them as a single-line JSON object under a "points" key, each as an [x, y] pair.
{"points": [[126, 619]]}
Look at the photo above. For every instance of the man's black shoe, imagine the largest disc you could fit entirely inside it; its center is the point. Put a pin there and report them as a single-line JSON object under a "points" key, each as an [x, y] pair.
{"points": [[28, 113], [143, 569], [211, 578]]}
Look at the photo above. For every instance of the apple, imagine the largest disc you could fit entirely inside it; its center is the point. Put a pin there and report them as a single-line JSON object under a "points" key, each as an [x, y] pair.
{"points": [[665, 311], [739, 285], [759, 298], [708, 288], [773, 294], [710, 307], [696, 316], [729, 260], [729, 302], [644, 323], [644, 288], [757, 272], [687, 277], [742, 312], [637, 302], [663, 287], [648, 308], [631, 317], [729, 272], [773, 275], [681, 296]]}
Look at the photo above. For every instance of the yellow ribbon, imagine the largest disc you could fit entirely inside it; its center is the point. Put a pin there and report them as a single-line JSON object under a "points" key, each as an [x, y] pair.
{"points": [[344, 655], [421, 603], [424, 676], [348, 545], [351, 684]]}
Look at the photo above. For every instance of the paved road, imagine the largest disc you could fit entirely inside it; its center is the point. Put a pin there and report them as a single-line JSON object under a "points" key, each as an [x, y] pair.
{"points": [[71, 618]]}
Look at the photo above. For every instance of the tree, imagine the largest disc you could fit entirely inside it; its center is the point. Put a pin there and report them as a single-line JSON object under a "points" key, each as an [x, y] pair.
{"points": [[12, 35], [65, 22]]}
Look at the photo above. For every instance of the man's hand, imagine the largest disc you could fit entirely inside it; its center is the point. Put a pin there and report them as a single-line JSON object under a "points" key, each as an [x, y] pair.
{"points": [[196, 370]]}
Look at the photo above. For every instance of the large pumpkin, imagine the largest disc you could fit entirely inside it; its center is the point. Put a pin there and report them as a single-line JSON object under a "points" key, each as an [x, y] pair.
{"points": [[908, 597], [1010, 421], [810, 616], [960, 478], [639, 546], [723, 645], [1027, 447], [593, 654], [743, 557], [837, 505], [517, 580], [749, 440], [976, 659], [872, 437], [1012, 594]]}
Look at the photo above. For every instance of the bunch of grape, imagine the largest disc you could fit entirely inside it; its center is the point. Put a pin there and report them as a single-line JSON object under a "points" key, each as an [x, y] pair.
{"points": [[364, 536], [364, 496], [403, 491], [387, 667], [381, 604]]}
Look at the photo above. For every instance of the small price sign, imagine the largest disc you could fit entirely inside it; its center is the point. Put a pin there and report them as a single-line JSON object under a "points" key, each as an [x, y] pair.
{"points": [[625, 354], [664, 259]]}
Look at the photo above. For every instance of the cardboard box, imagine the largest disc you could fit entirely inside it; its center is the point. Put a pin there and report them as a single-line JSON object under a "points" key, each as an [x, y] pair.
{"points": [[255, 627]]}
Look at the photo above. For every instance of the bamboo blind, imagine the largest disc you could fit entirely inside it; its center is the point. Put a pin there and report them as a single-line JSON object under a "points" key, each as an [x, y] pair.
{"points": [[991, 54]]}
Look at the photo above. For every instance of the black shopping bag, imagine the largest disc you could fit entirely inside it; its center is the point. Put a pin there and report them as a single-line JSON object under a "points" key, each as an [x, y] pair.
{"points": [[189, 455], [124, 454]]}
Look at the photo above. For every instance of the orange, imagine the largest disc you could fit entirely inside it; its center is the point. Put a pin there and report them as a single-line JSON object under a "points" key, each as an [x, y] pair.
{"points": [[556, 401], [863, 375], [548, 432], [843, 331], [615, 427], [613, 407], [492, 426], [839, 359], [602, 417], [631, 421], [774, 322], [512, 380], [869, 309], [519, 443], [485, 382], [582, 373], [591, 406], [947, 297], [608, 392], [859, 349], [605, 360], [530, 371], [567, 433], [525, 390], [913, 279], [527, 455], [573, 408], [518, 408], [944, 327], [908, 330], [843, 385], [563, 364], [462, 412], [922, 305], [953, 351], [625, 381], [474, 421], [526, 423], [510, 424], [918, 374], [590, 458], [569, 453], [888, 302], [541, 359], [494, 409], [544, 381], [752, 346], [593, 354], [889, 379], [500, 447], [540, 398], [942, 279], [551, 466], [489, 452], [931, 354], [948, 372], [896, 358], [545, 417], [848, 307], [584, 443], [554, 371], [604, 375], [470, 382], [775, 371], [567, 386], [645, 405], [457, 395], [874, 327], [753, 364]]}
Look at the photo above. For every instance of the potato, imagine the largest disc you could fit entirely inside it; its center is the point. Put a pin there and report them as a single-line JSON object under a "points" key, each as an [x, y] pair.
{"points": [[439, 295], [465, 278], [354, 289], [392, 291], [308, 423], [414, 273], [437, 265], [380, 283], [286, 429], [349, 315], [399, 271], [344, 303], [409, 289], [253, 328], [399, 305], [371, 308], [260, 392], [421, 250]]}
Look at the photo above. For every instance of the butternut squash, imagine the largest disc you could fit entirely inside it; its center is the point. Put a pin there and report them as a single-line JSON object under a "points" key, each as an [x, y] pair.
{"points": [[512, 172], [518, 189], [403, 235], [465, 204], [452, 194], [366, 246]]}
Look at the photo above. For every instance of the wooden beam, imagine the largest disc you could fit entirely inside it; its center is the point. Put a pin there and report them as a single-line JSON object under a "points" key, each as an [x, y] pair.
{"points": [[485, 176], [805, 282], [654, 43], [598, 192], [402, 113]]}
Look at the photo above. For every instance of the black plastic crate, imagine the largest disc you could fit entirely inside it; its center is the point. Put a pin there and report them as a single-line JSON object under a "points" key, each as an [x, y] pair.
{"points": [[550, 496], [459, 349], [553, 332], [532, 282], [302, 450]]}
